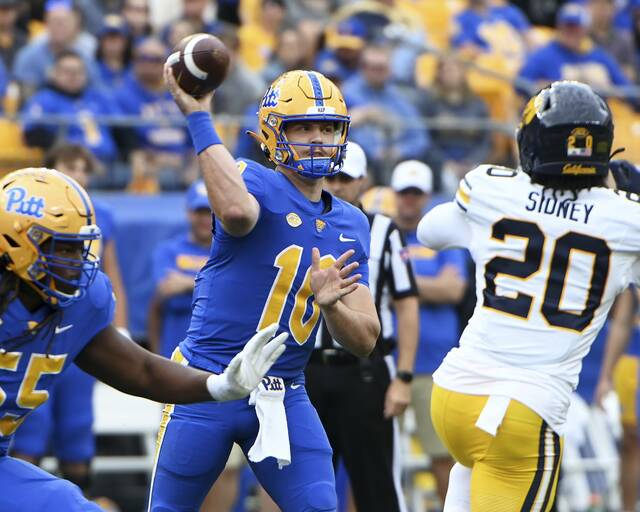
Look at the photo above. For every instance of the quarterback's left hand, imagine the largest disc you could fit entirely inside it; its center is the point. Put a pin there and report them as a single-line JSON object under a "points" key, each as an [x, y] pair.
{"points": [[626, 175], [332, 283], [397, 399], [247, 368]]}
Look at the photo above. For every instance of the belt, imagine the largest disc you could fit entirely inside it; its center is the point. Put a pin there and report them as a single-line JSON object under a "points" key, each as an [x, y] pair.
{"points": [[334, 357]]}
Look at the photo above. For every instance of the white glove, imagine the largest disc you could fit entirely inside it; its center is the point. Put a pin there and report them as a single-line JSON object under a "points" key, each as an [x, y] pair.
{"points": [[247, 368]]}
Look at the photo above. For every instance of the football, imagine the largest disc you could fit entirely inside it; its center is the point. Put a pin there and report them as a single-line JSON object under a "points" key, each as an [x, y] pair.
{"points": [[200, 63]]}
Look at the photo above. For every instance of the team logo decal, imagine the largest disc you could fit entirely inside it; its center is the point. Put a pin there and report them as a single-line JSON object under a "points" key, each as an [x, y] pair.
{"points": [[580, 143], [320, 225], [19, 202], [271, 97], [294, 220], [577, 169]]}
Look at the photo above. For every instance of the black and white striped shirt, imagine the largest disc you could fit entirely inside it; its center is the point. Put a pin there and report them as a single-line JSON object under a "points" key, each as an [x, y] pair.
{"points": [[390, 278]]}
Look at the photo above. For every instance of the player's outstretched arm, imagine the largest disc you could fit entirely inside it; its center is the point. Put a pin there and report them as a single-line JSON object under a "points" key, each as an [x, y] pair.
{"points": [[230, 200], [347, 307], [121, 363], [444, 227]]}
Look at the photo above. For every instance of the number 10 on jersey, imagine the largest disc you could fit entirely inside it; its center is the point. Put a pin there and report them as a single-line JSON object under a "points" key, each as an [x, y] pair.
{"points": [[288, 264]]}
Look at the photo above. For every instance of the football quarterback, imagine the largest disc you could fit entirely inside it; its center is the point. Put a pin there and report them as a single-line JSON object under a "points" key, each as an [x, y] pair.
{"points": [[284, 252]]}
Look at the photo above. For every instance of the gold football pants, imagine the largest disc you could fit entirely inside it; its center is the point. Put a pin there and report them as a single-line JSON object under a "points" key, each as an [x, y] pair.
{"points": [[517, 470]]}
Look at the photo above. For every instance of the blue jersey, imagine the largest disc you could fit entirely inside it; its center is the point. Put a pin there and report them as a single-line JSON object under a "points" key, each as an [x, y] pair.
{"points": [[84, 108], [555, 62], [28, 366], [154, 107], [180, 254], [253, 281]]}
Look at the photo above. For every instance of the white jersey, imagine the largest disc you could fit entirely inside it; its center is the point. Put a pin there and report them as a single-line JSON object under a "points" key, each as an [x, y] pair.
{"points": [[548, 268]]}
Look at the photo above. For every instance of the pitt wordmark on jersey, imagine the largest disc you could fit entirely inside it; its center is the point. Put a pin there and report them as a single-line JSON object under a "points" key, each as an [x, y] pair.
{"points": [[548, 266]]}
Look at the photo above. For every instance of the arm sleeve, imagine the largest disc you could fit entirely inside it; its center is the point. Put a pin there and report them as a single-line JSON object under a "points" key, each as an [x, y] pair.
{"points": [[403, 282], [444, 227]]}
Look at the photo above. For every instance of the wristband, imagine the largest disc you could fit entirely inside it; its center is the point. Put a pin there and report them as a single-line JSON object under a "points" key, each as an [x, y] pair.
{"points": [[202, 132], [404, 376]]}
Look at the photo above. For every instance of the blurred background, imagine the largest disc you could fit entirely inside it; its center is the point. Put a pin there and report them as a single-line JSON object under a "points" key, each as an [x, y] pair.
{"points": [[440, 82]]}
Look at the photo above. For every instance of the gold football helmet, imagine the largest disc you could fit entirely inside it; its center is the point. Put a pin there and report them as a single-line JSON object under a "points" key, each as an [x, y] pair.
{"points": [[302, 96], [39, 210]]}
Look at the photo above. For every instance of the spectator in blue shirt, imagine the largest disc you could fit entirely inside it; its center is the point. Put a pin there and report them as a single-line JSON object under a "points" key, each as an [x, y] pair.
{"points": [[69, 95], [158, 150], [573, 56], [175, 265], [441, 280], [113, 55], [63, 32], [343, 47], [383, 121], [484, 27]]}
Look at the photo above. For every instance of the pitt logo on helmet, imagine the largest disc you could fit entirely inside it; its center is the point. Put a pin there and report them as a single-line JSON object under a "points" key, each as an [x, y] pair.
{"points": [[303, 96], [42, 210], [17, 201]]}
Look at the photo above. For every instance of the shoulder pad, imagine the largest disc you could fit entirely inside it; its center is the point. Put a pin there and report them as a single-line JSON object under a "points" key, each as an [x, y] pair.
{"points": [[631, 196]]}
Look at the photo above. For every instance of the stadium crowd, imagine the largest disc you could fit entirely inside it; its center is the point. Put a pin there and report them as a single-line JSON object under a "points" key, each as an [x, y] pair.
{"points": [[434, 88]]}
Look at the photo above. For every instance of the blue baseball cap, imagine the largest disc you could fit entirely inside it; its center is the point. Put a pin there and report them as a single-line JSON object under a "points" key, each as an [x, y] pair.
{"points": [[573, 14], [197, 196], [113, 24], [50, 5]]}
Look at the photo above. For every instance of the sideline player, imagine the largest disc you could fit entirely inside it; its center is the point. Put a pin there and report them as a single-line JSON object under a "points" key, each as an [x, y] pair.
{"points": [[56, 308], [281, 254], [553, 246]]}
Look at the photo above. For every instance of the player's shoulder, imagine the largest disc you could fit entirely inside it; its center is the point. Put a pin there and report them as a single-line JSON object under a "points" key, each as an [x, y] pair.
{"points": [[99, 294], [258, 178], [248, 168], [486, 181], [629, 199], [352, 214]]}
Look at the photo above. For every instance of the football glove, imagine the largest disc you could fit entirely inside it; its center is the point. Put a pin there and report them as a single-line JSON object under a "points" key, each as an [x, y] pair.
{"points": [[626, 175], [247, 368]]}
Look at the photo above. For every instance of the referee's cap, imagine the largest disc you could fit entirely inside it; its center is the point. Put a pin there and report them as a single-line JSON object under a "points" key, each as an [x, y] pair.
{"points": [[355, 162], [412, 174]]}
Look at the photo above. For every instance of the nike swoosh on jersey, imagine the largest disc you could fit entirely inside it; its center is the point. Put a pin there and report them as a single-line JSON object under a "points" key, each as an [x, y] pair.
{"points": [[343, 238], [62, 329], [295, 386]]}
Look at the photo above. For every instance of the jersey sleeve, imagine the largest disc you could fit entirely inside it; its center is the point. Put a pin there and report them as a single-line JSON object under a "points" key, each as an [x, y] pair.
{"points": [[254, 176], [100, 306], [362, 251]]}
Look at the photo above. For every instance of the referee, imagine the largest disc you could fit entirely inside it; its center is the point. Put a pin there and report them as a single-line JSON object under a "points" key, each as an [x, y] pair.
{"points": [[358, 399]]}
